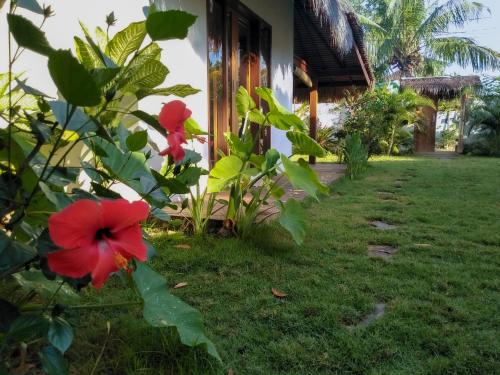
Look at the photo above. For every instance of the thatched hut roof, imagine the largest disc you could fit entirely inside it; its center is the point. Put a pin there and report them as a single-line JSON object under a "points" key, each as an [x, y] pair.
{"points": [[441, 87], [329, 41]]}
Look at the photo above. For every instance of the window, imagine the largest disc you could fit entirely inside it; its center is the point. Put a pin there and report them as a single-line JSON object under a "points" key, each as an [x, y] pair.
{"points": [[239, 53]]}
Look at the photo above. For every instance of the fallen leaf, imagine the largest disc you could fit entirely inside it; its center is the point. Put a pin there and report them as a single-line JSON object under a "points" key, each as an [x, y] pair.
{"points": [[183, 246], [278, 294], [181, 285]]}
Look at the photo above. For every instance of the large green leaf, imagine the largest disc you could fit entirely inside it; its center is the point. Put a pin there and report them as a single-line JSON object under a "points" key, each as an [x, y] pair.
{"points": [[74, 82], [305, 145], [27, 35], [303, 177], [294, 219], [60, 334], [223, 171], [35, 281], [31, 5], [162, 309], [126, 42], [178, 90], [53, 362], [27, 327], [13, 253], [151, 74], [267, 95], [87, 55], [137, 141], [286, 121], [79, 122], [244, 102], [171, 24]]}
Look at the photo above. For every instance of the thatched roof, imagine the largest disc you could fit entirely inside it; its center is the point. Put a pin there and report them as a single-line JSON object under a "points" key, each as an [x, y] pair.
{"points": [[329, 40], [441, 87]]}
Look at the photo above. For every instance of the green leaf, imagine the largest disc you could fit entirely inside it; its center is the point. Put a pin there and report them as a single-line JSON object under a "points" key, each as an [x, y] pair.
{"points": [[126, 42], [267, 95], [162, 309], [60, 334], [294, 219], [28, 327], [272, 157], [53, 362], [191, 175], [237, 146], [305, 145], [171, 24], [59, 200], [74, 82], [244, 102], [103, 76], [79, 122], [223, 171], [149, 119], [27, 35], [13, 253], [35, 280], [193, 128], [303, 177], [31, 5], [137, 141], [286, 121], [178, 90], [105, 60], [30, 90], [151, 74], [87, 55]]}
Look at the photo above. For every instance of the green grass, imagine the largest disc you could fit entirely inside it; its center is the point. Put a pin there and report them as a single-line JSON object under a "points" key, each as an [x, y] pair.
{"points": [[443, 301]]}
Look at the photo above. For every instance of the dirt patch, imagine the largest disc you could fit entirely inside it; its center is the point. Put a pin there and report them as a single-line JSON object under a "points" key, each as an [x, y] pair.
{"points": [[381, 251], [380, 225]]}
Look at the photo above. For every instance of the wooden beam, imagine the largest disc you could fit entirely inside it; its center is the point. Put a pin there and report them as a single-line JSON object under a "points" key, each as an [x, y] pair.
{"points": [[368, 79], [313, 115]]}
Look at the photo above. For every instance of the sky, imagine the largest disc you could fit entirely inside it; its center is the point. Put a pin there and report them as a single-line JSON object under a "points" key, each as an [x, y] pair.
{"points": [[485, 32]]}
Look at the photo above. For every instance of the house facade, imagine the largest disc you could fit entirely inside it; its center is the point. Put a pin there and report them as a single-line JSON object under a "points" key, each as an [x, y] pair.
{"points": [[303, 50]]}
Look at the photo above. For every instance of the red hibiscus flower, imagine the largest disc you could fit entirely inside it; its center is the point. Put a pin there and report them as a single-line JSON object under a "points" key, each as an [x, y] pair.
{"points": [[97, 237], [172, 117]]}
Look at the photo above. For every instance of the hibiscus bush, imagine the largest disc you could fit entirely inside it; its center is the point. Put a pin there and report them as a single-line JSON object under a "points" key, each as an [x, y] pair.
{"points": [[253, 180], [64, 226]]}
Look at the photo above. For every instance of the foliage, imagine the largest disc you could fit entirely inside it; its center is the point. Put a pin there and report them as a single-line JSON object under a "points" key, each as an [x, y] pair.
{"points": [[483, 121], [355, 155], [380, 115], [50, 148], [252, 180], [448, 138], [413, 38]]}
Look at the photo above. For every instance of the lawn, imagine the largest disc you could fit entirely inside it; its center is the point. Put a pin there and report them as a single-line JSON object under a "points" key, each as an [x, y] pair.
{"points": [[441, 288]]}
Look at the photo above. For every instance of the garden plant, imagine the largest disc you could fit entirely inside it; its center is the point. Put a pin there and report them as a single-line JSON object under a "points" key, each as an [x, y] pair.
{"points": [[63, 225]]}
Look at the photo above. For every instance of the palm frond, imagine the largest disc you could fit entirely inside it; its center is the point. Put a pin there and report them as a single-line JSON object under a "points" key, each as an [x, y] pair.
{"points": [[464, 51]]}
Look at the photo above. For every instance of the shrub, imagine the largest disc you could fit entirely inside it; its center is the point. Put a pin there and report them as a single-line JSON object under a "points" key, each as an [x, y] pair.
{"points": [[355, 155]]}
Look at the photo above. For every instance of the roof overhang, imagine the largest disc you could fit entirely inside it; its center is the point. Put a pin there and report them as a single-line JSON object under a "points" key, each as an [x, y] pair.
{"points": [[329, 50], [440, 87]]}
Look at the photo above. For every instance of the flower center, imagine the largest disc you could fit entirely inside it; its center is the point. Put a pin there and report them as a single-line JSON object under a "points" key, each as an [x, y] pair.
{"points": [[103, 233]]}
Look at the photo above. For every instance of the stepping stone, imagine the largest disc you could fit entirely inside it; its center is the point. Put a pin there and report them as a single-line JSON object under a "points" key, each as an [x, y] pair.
{"points": [[378, 312], [423, 245], [386, 195], [399, 183], [380, 225], [381, 251]]}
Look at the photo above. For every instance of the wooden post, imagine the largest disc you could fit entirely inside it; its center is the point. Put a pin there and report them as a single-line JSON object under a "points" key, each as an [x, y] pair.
{"points": [[313, 115], [461, 125]]}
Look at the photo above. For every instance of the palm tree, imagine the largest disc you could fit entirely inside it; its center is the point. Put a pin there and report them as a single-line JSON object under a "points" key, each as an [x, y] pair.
{"points": [[414, 37]]}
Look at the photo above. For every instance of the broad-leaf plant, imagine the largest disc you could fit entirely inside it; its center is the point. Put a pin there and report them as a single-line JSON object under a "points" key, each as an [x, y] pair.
{"points": [[254, 181], [63, 225]]}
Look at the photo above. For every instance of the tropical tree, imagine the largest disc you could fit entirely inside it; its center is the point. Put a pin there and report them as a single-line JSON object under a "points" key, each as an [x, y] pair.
{"points": [[415, 37]]}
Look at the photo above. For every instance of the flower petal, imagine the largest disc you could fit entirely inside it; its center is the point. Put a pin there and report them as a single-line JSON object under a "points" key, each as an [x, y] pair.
{"points": [[173, 115], [76, 225], [129, 243], [119, 214], [73, 263], [106, 264]]}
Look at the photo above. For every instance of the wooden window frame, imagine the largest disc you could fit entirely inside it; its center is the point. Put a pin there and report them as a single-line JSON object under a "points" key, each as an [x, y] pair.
{"points": [[233, 11]]}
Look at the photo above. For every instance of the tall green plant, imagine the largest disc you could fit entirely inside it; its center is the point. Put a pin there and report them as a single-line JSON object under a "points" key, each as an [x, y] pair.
{"points": [[355, 155], [253, 180], [56, 238]]}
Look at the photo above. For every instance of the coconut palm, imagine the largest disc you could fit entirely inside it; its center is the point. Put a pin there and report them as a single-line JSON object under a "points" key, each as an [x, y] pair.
{"points": [[414, 37]]}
